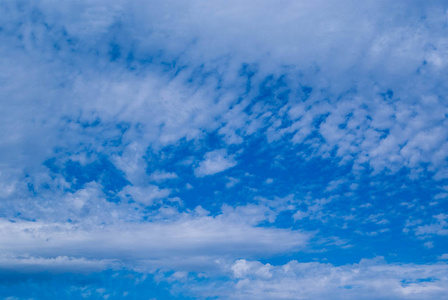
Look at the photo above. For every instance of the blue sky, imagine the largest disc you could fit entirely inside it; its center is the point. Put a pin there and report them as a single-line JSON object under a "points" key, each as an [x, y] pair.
{"points": [[223, 149]]}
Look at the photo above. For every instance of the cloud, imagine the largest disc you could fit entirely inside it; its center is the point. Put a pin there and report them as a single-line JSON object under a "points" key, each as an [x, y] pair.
{"points": [[58, 264], [159, 175], [144, 195], [440, 227], [169, 236], [215, 161], [384, 123], [370, 279], [232, 181]]}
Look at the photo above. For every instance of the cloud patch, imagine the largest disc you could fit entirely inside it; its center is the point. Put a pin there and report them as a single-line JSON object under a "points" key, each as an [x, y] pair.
{"points": [[215, 161]]}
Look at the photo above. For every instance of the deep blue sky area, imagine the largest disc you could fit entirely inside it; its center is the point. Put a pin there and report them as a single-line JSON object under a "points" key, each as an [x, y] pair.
{"points": [[223, 149]]}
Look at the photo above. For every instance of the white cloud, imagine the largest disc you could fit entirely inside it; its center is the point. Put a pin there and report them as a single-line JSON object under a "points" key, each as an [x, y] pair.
{"points": [[299, 215], [171, 237], [428, 245], [29, 264], [214, 162], [439, 227], [370, 279], [383, 51], [232, 181], [243, 268], [160, 176], [444, 256], [144, 195], [131, 162]]}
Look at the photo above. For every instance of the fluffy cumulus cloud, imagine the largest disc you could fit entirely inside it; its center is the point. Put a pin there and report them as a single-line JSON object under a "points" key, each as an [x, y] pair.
{"points": [[223, 149]]}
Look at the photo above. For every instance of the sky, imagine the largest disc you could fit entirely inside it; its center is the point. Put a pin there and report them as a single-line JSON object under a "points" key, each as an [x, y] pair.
{"points": [[196, 149]]}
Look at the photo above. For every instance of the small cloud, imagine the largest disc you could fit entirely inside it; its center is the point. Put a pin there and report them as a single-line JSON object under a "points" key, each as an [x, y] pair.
{"points": [[159, 176], [177, 276], [443, 256], [335, 184], [428, 245], [354, 186], [188, 161], [232, 181], [144, 195], [175, 200], [299, 215], [269, 181], [407, 204], [215, 161], [441, 196], [382, 222]]}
